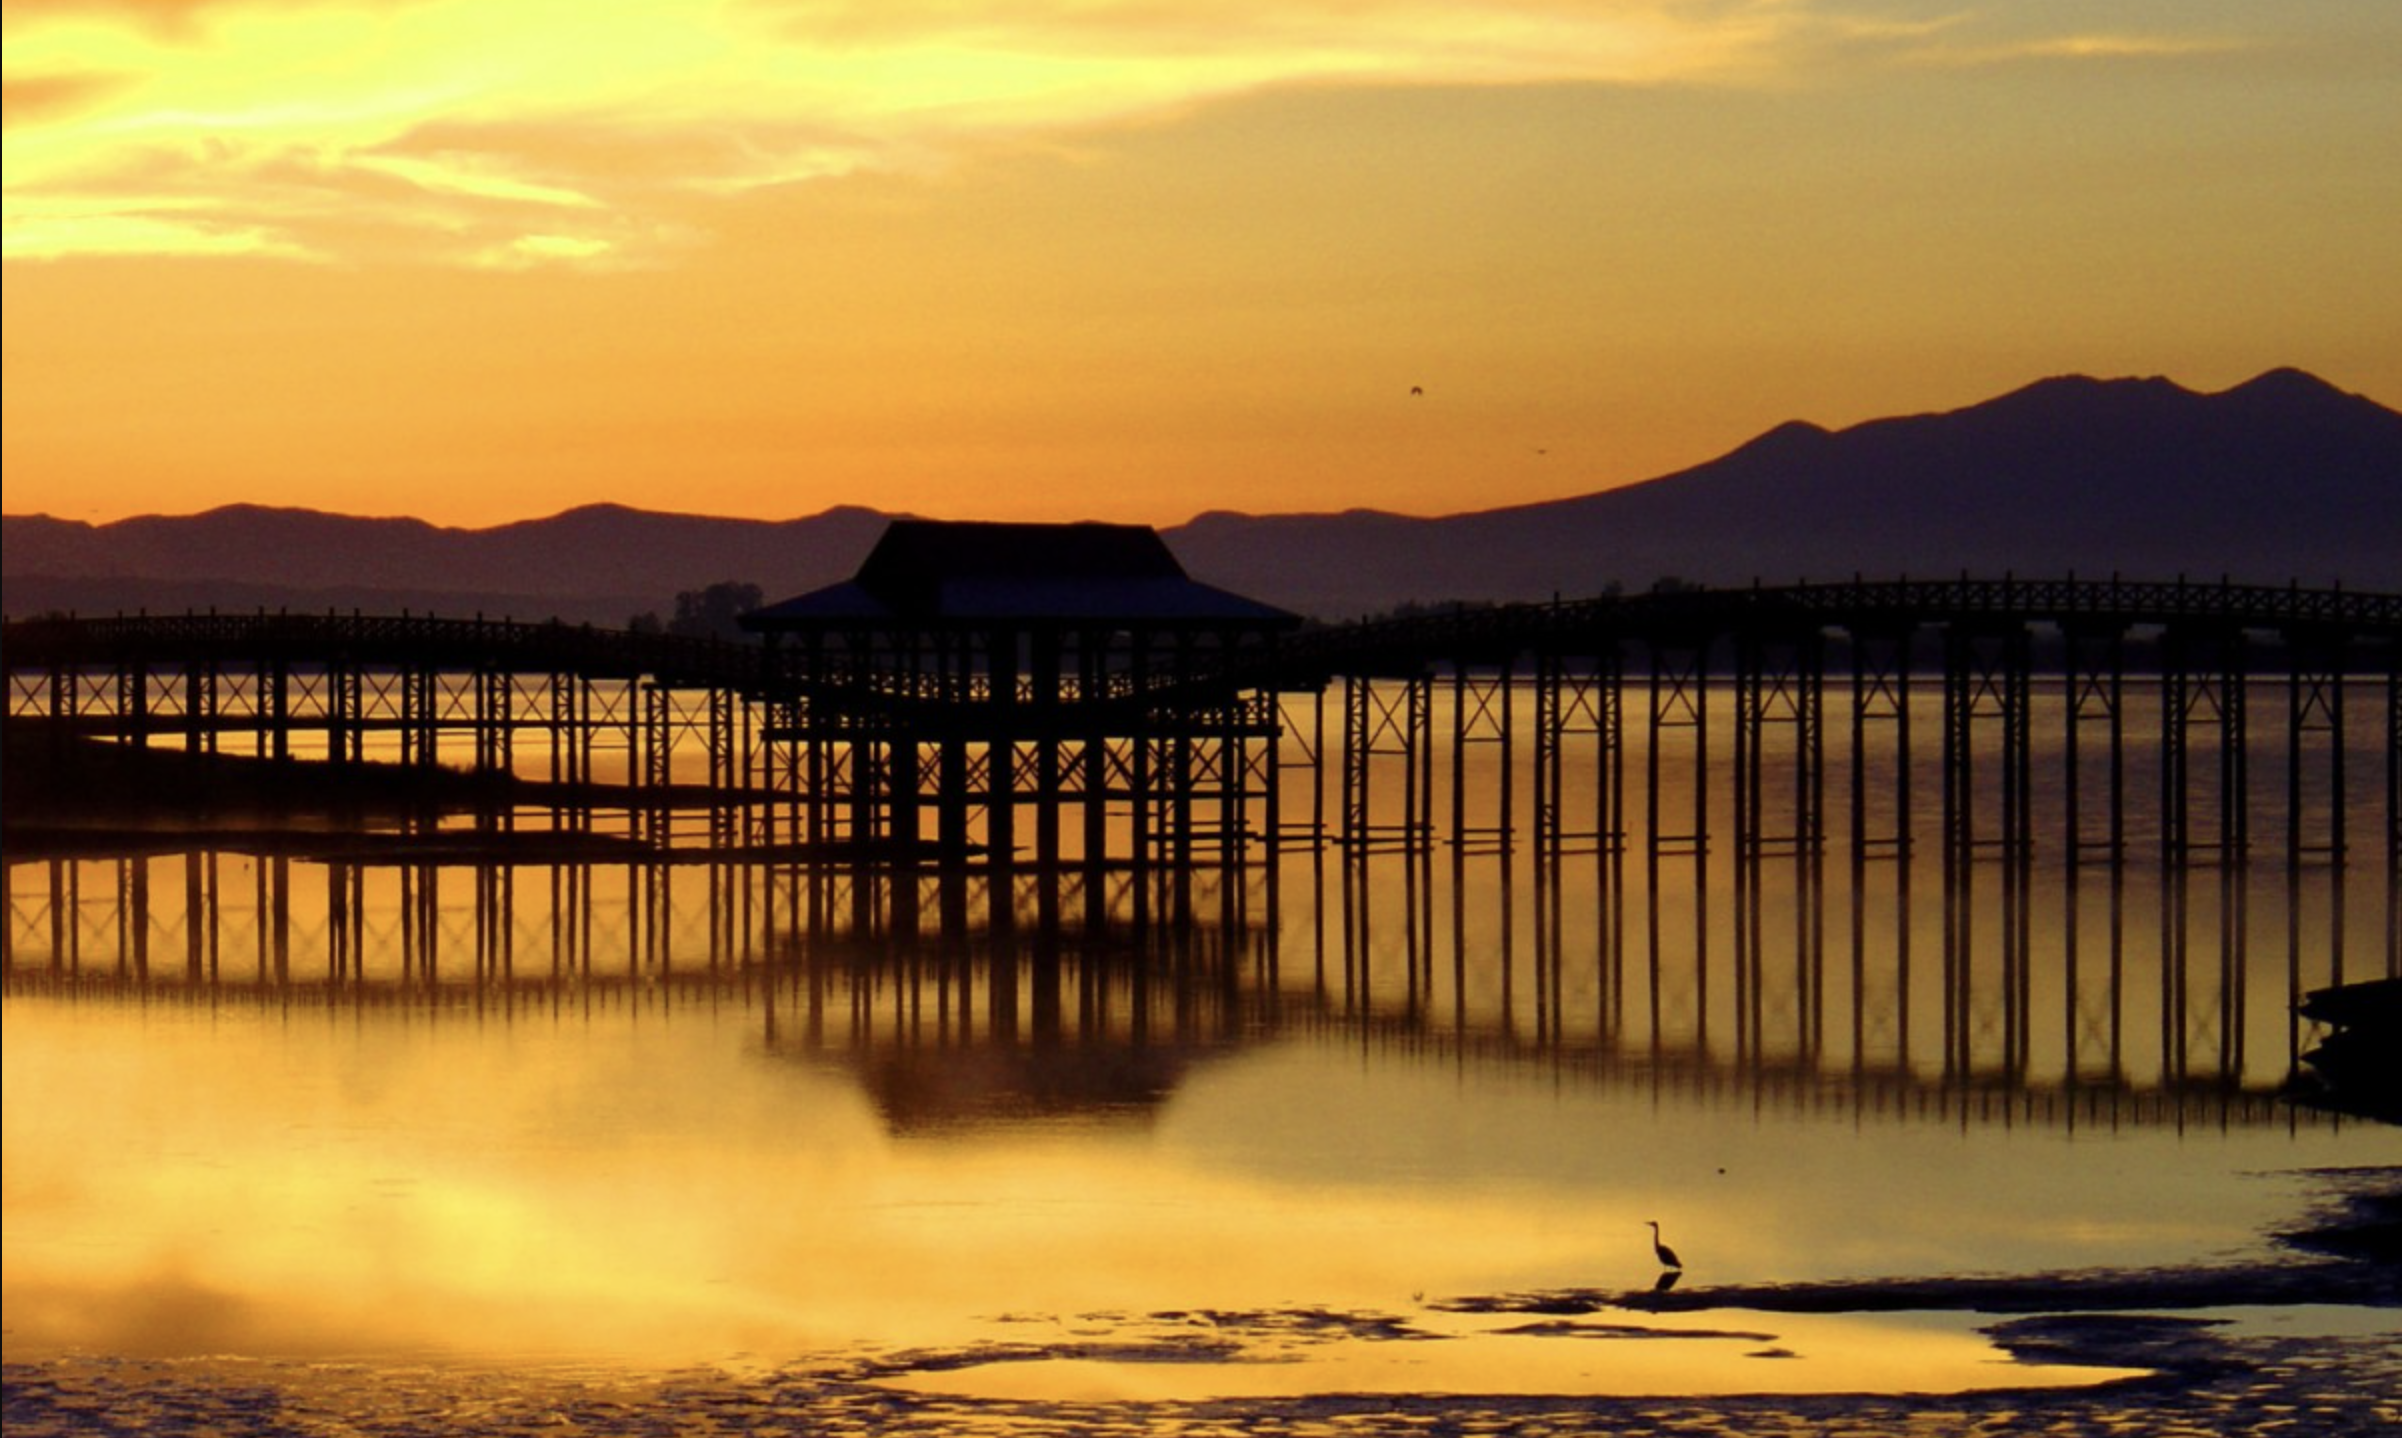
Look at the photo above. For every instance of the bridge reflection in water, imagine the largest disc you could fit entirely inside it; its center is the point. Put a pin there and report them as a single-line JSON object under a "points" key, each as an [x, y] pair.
{"points": [[2128, 994]]}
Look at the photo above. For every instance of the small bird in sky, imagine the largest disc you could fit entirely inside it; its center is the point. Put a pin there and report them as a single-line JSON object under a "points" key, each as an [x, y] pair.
{"points": [[1417, 391], [1665, 1254]]}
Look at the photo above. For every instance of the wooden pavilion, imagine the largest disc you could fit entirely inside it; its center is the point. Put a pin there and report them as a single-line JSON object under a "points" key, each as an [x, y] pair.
{"points": [[980, 669]]}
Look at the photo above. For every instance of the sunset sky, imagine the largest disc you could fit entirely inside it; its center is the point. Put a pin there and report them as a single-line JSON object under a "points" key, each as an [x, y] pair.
{"points": [[483, 260]]}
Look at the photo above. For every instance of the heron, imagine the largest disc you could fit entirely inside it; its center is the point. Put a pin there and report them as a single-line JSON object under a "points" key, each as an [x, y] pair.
{"points": [[1667, 1255]]}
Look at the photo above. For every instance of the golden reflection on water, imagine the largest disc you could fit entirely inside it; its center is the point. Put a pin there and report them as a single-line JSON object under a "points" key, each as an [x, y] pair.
{"points": [[660, 1187], [715, 1113], [648, 1189], [1727, 1352]]}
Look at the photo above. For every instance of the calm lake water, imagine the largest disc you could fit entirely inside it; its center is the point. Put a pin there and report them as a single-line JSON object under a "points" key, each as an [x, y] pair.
{"points": [[629, 1119]]}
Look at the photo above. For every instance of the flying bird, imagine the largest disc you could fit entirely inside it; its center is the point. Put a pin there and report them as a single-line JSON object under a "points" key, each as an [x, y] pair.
{"points": [[1417, 391], [1666, 1255]]}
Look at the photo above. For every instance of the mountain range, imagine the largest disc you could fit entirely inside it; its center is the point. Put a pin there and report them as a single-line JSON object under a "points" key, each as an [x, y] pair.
{"points": [[2283, 478]]}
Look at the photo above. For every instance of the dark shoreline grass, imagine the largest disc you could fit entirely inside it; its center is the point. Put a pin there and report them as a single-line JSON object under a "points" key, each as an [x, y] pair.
{"points": [[71, 797], [479, 848], [53, 778]]}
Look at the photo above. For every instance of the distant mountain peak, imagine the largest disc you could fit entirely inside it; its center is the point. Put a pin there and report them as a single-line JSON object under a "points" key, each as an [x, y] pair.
{"points": [[2297, 394], [2284, 382], [2287, 380], [1786, 439], [285, 518], [2083, 390]]}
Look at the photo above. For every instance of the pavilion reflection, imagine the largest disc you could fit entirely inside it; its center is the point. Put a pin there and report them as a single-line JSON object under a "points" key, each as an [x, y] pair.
{"points": [[1994, 991]]}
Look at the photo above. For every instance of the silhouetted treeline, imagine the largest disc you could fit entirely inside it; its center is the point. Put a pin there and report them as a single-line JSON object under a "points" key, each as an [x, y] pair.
{"points": [[709, 613]]}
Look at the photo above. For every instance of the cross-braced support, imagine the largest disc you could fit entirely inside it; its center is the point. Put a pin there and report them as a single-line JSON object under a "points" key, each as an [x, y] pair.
{"points": [[2094, 676], [1881, 702], [1779, 688], [1579, 701], [2202, 686], [2314, 750], [1680, 714], [1985, 685], [1392, 722], [1480, 721]]}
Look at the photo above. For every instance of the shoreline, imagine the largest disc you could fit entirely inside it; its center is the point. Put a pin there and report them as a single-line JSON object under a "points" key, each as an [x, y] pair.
{"points": [[2198, 1372]]}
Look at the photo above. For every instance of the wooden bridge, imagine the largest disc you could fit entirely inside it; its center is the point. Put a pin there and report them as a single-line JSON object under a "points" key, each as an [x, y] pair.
{"points": [[1194, 741]]}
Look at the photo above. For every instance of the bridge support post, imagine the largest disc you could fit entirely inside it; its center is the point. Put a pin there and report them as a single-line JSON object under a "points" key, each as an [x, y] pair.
{"points": [[2094, 667], [2202, 687], [420, 735], [656, 742], [1047, 661], [654, 759], [2094, 664], [1986, 682], [1001, 741], [2393, 806], [1178, 761], [902, 783], [63, 686], [951, 780], [1091, 761], [558, 713], [1299, 747], [1571, 703], [200, 707], [345, 696], [1393, 724], [1986, 678], [1680, 705], [1269, 757], [1881, 700], [2314, 719], [495, 721], [133, 702], [1255, 775], [1139, 750], [855, 773], [729, 765], [1480, 718], [275, 709], [1779, 684]]}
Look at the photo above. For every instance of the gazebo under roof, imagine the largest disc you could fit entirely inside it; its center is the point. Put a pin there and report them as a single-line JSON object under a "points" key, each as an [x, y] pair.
{"points": [[984, 668], [938, 573]]}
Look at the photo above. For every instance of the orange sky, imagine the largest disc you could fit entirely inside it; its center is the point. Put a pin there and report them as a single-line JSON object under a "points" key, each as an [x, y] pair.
{"points": [[482, 260]]}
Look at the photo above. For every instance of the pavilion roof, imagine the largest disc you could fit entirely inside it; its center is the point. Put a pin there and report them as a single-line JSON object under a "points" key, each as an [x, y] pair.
{"points": [[929, 571]]}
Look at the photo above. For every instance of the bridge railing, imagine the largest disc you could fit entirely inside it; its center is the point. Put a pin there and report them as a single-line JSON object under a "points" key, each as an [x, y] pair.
{"points": [[1309, 658], [1691, 616]]}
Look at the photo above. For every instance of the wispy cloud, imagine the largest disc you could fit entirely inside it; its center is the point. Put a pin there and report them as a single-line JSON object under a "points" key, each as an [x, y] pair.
{"points": [[2080, 47], [438, 129], [147, 226]]}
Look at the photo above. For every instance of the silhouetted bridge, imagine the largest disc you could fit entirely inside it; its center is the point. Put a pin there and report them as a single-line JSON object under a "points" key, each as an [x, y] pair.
{"points": [[1174, 741]]}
